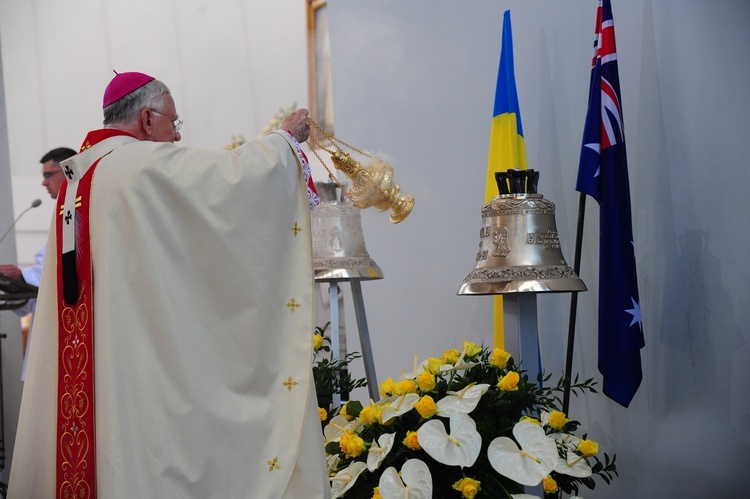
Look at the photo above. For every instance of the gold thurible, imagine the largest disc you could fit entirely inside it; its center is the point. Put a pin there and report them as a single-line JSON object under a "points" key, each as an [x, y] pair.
{"points": [[372, 185]]}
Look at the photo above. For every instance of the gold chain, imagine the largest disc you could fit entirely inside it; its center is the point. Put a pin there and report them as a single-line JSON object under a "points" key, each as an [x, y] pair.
{"points": [[333, 140], [312, 148]]}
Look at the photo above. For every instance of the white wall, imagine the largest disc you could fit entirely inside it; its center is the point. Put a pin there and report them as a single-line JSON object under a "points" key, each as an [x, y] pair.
{"points": [[416, 80], [10, 327]]}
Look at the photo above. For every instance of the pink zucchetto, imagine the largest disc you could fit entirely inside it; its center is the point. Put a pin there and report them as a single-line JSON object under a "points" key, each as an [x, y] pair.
{"points": [[122, 84]]}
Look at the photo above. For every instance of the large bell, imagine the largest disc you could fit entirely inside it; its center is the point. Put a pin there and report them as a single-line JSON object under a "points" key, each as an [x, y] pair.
{"points": [[339, 251], [519, 248]]}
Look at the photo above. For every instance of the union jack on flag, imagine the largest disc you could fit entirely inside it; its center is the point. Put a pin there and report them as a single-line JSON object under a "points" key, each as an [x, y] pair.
{"points": [[603, 174]]}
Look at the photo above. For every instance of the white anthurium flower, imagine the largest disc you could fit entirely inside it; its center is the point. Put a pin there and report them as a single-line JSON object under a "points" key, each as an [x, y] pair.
{"points": [[529, 464], [337, 426], [575, 466], [332, 462], [384, 401], [379, 450], [417, 370], [544, 418], [424, 366], [345, 479], [459, 365], [460, 448], [566, 441], [464, 401], [403, 404], [414, 482]]}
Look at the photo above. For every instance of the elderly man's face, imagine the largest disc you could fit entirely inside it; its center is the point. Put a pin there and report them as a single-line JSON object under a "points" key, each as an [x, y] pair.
{"points": [[53, 177], [164, 121]]}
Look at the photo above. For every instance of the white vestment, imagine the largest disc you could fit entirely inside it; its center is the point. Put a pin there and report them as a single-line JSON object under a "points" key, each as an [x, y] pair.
{"points": [[203, 322]]}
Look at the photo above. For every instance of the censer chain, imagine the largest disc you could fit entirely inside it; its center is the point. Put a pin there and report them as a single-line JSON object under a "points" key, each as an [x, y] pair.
{"points": [[312, 148], [333, 140]]}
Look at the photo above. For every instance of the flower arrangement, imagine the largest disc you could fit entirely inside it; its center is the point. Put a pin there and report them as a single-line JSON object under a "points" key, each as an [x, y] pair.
{"points": [[467, 424], [274, 122]]}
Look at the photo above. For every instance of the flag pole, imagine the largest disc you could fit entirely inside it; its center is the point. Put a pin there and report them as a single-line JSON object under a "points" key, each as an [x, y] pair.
{"points": [[573, 305]]}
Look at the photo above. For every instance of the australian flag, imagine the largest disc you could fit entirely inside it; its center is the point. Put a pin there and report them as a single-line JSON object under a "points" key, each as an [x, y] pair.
{"points": [[603, 174]]}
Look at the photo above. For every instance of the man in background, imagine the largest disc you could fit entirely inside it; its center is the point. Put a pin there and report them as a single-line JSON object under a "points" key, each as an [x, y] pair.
{"points": [[176, 314], [53, 179]]}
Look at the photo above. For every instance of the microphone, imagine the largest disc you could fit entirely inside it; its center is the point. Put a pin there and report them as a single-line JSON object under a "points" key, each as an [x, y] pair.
{"points": [[34, 204]]}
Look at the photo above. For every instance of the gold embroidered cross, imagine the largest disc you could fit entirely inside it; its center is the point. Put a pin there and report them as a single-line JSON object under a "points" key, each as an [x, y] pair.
{"points": [[273, 464], [296, 229], [293, 305], [289, 383]]}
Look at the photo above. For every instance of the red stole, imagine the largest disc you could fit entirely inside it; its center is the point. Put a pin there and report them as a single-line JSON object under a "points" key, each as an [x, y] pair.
{"points": [[76, 460]]}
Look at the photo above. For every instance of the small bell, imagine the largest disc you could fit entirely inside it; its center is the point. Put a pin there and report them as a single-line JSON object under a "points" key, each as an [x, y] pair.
{"points": [[339, 251]]}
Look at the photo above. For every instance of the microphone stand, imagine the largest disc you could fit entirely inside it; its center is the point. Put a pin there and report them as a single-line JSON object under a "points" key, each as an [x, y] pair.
{"points": [[34, 204], [3, 485]]}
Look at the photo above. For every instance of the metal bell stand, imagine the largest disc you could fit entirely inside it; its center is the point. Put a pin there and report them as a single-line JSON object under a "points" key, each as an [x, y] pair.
{"points": [[339, 347]]}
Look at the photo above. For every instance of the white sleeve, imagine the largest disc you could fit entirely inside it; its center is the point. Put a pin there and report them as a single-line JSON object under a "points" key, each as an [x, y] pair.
{"points": [[32, 275]]}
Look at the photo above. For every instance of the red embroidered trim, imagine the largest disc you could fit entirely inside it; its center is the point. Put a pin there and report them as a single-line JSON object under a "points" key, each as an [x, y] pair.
{"points": [[76, 458]]}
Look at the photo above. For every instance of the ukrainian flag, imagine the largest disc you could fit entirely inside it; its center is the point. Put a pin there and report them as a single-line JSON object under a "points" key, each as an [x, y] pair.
{"points": [[507, 148]]}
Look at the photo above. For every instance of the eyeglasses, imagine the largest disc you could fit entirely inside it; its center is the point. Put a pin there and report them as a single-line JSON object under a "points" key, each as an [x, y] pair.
{"points": [[176, 122], [49, 175]]}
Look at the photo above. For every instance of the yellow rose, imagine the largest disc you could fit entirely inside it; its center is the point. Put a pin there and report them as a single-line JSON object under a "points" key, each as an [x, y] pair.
{"points": [[557, 419], [549, 485], [426, 407], [499, 358], [351, 445], [588, 447], [387, 388], [433, 364], [426, 381], [451, 356], [468, 487], [472, 350], [405, 386], [342, 412], [317, 342], [323, 414], [376, 493], [370, 415], [529, 419], [411, 440], [509, 382]]}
